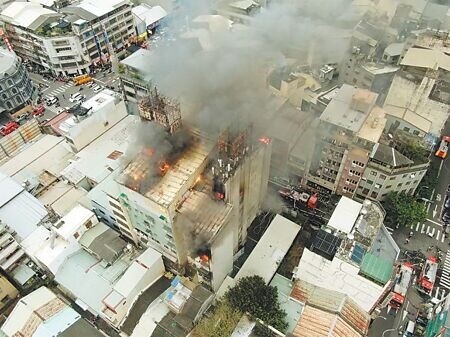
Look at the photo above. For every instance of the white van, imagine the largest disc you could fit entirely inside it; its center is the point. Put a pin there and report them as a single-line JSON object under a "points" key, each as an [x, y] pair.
{"points": [[409, 332]]}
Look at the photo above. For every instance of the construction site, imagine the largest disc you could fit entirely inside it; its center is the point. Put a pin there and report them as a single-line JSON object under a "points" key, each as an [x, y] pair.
{"points": [[194, 193]]}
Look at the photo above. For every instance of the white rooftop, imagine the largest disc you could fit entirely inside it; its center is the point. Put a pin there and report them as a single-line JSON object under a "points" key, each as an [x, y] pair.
{"points": [[345, 214], [100, 8], [339, 276], [270, 250], [426, 58], [24, 13], [149, 14], [102, 156], [148, 321], [19, 209]]}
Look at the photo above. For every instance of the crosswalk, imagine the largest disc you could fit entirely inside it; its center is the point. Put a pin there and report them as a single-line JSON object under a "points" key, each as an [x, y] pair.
{"points": [[62, 89], [445, 277], [429, 230]]}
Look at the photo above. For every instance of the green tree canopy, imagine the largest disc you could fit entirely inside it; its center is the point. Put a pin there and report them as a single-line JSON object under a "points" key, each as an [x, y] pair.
{"points": [[403, 209], [222, 322], [252, 295]]}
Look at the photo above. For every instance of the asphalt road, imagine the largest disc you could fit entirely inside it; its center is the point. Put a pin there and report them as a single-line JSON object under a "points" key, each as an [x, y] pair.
{"points": [[63, 91]]}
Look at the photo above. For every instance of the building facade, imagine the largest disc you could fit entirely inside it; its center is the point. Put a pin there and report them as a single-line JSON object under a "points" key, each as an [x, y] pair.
{"points": [[389, 171], [16, 88], [349, 128]]}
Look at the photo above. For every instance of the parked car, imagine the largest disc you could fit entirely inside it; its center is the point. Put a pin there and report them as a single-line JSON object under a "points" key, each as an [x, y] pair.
{"points": [[447, 203], [97, 88], [38, 111], [78, 98], [8, 128], [23, 117]]}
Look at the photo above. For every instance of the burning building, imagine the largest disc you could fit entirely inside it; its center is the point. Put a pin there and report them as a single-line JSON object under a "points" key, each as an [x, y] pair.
{"points": [[194, 200]]}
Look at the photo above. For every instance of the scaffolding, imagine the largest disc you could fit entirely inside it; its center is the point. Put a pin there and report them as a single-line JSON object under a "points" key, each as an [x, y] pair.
{"points": [[159, 108]]}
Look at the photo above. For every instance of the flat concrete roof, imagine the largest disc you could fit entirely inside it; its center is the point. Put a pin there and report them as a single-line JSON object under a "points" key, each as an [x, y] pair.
{"points": [[345, 214]]}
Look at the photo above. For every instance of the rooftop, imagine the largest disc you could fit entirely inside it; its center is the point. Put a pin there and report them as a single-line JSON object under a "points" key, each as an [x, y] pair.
{"points": [[270, 250], [377, 268], [344, 215], [347, 311], [176, 179], [27, 14], [7, 60], [349, 108], [394, 49], [139, 61], [97, 9], [340, 276], [149, 14], [104, 242], [103, 155], [19, 209], [207, 216], [373, 126], [387, 155], [409, 100], [426, 58]]}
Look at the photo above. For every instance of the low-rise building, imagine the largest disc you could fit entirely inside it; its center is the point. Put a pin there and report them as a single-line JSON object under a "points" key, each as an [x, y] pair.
{"points": [[388, 171], [354, 254], [8, 293], [92, 118], [42, 313], [147, 18]]}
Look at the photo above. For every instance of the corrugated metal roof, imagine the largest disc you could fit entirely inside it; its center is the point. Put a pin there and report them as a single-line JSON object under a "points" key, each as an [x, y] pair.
{"points": [[376, 268], [332, 302], [318, 323], [9, 188]]}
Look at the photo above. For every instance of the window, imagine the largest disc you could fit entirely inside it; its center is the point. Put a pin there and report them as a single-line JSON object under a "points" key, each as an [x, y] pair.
{"points": [[392, 178], [388, 186], [416, 133], [400, 185], [374, 194], [14, 91], [119, 215], [373, 173], [76, 235], [58, 50], [406, 129], [382, 177], [407, 183], [370, 182]]}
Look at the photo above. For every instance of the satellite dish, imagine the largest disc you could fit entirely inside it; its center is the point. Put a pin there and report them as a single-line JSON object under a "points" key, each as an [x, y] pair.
{"points": [[350, 236]]}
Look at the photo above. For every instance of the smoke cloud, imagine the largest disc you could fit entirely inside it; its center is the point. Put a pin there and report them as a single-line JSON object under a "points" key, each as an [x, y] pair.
{"points": [[225, 81]]}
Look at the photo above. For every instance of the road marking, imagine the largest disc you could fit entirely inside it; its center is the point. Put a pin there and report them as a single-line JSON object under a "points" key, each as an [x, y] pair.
{"points": [[440, 167], [438, 233], [443, 238], [428, 206], [436, 223], [438, 197], [417, 227], [423, 229], [435, 211]]}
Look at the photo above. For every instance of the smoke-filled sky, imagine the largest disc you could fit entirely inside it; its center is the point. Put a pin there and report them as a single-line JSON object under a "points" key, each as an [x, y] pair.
{"points": [[227, 82]]}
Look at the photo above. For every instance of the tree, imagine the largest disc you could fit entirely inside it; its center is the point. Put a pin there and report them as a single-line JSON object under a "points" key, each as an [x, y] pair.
{"points": [[222, 322], [403, 209], [252, 295]]}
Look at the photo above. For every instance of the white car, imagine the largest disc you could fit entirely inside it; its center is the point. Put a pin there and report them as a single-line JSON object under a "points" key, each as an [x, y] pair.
{"points": [[79, 99], [51, 100], [91, 84], [97, 88], [76, 97]]}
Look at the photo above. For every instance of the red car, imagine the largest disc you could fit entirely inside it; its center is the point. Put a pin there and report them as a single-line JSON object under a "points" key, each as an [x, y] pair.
{"points": [[39, 111], [8, 128]]}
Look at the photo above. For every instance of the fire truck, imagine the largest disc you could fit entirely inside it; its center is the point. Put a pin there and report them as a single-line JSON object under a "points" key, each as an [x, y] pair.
{"points": [[299, 199], [402, 281], [428, 275], [8, 128], [442, 151]]}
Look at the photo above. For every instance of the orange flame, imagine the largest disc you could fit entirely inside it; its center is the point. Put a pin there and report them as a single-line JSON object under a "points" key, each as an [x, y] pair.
{"points": [[265, 140], [204, 258]]}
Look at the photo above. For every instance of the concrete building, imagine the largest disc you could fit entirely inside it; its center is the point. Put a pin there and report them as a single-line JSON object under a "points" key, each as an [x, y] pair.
{"points": [[147, 18], [353, 255], [389, 171], [349, 127], [392, 53], [92, 118], [72, 39], [45, 38], [240, 11], [113, 287], [16, 88], [19, 210], [103, 29], [42, 313], [134, 78], [375, 77]]}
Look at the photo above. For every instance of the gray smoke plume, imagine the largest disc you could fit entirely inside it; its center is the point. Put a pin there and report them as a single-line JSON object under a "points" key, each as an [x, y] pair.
{"points": [[227, 82]]}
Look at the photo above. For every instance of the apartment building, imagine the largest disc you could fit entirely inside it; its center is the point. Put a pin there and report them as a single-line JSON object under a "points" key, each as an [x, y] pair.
{"points": [[45, 38], [387, 171], [101, 27], [349, 127], [71, 40]]}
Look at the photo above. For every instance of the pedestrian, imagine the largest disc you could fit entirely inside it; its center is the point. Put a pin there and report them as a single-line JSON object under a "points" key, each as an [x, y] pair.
{"points": [[63, 96], [407, 241], [411, 234]]}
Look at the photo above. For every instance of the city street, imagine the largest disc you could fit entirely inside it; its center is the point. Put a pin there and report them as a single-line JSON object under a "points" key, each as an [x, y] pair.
{"points": [[63, 90]]}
